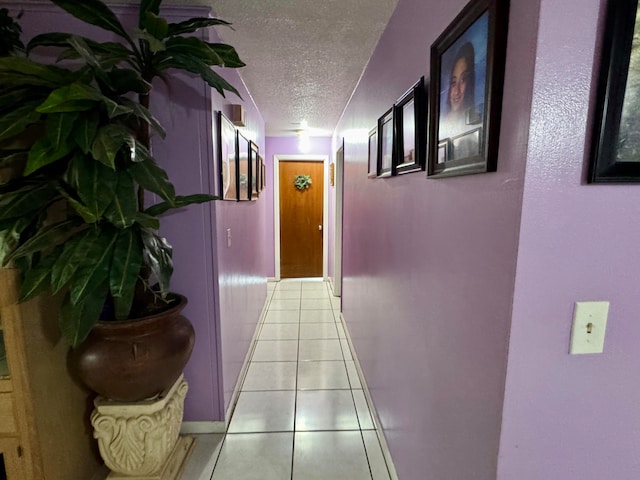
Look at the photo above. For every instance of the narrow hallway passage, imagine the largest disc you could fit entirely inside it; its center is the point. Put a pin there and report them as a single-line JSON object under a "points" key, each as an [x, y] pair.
{"points": [[301, 412]]}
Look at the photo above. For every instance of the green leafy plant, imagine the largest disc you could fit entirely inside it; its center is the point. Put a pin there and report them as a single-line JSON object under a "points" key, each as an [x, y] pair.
{"points": [[74, 219]]}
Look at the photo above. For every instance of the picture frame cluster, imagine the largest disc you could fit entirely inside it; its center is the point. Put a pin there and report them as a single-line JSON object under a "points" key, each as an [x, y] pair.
{"points": [[241, 169], [449, 125]]}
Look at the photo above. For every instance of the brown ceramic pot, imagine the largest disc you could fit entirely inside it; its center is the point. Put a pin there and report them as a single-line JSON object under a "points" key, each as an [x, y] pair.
{"points": [[137, 359]]}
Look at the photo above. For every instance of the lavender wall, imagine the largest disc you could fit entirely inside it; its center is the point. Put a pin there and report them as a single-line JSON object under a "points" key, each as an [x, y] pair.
{"points": [[571, 417], [429, 265], [287, 146]]}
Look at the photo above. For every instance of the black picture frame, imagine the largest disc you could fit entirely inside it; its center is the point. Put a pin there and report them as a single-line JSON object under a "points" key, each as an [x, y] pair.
{"points": [[261, 172], [373, 153], [263, 169], [411, 130], [465, 103], [227, 159], [615, 146], [243, 174], [254, 173], [386, 145]]}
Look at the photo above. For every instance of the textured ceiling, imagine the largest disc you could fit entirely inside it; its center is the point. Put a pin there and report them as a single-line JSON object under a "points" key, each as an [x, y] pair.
{"points": [[304, 57]]}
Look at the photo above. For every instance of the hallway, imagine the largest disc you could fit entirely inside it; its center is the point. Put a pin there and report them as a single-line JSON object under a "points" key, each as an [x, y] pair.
{"points": [[301, 413]]}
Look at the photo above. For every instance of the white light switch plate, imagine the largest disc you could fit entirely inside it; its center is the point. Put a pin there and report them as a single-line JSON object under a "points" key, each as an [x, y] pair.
{"points": [[228, 237], [589, 327]]}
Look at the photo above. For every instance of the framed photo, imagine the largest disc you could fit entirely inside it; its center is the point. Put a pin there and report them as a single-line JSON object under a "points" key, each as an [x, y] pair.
{"points": [[385, 144], [263, 169], [244, 169], [615, 150], [467, 75], [411, 125], [227, 159], [373, 153], [254, 166]]}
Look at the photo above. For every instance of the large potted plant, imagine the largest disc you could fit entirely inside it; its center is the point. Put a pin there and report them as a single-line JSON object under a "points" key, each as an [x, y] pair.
{"points": [[74, 221]]}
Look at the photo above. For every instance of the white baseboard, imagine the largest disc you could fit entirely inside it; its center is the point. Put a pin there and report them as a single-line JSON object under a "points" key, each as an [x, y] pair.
{"points": [[245, 364], [199, 428], [272, 279], [374, 414], [330, 282]]}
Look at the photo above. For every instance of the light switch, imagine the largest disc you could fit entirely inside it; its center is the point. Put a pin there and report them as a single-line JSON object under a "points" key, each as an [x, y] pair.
{"points": [[589, 326], [228, 237]]}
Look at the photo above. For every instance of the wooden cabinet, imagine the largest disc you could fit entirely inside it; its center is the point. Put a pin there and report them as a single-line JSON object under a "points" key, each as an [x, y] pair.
{"points": [[45, 432]]}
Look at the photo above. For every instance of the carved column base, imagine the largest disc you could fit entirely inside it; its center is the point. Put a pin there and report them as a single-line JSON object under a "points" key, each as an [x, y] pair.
{"points": [[140, 440]]}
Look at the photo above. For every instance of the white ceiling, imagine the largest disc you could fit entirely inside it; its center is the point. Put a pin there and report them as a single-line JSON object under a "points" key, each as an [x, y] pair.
{"points": [[304, 57]]}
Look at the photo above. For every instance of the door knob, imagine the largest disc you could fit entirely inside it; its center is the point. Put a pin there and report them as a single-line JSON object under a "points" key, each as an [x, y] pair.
{"points": [[320, 227]]}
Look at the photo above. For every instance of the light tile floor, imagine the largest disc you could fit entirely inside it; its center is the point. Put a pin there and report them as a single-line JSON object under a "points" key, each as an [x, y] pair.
{"points": [[301, 413]]}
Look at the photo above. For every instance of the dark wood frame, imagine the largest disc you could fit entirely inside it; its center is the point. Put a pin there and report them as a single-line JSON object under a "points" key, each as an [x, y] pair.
{"points": [[254, 190], [244, 193], [604, 167], [498, 20], [373, 153], [385, 121], [416, 94], [222, 120], [263, 174]]}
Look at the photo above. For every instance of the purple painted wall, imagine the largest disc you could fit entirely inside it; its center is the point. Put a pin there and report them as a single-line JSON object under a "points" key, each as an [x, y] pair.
{"points": [[225, 312], [287, 146], [428, 295], [571, 417], [226, 285]]}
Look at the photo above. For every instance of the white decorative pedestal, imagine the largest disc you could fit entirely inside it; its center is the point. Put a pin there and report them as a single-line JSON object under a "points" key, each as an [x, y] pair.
{"points": [[140, 440]]}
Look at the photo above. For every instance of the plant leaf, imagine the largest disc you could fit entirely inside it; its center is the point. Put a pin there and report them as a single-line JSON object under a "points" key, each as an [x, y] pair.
{"points": [[47, 237], [83, 49], [195, 65], [193, 24], [94, 183], [20, 71], [75, 97], [44, 153], [124, 80], [153, 178], [157, 256], [152, 6], [155, 25], [122, 210], [10, 236], [81, 209], [108, 142], [68, 261], [85, 130], [94, 270], [16, 120], [125, 268], [58, 129], [180, 201], [147, 221], [108, 52], [18, 203], [229, 55], [195, 48], [76, 321], [36, 279], [143, 113], [94, 12]]}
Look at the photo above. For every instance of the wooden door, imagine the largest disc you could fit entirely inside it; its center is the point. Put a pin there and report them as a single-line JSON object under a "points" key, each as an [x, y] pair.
{"points": [[301, 220]]}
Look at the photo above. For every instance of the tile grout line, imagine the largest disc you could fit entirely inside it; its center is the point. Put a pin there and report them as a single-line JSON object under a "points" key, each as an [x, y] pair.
{"points": [[295, 395], [353, 399], [259, 327]]}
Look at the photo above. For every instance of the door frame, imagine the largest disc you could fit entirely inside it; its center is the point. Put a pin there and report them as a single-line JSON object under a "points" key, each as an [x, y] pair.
{"points": [[338, 216], [325, 206]]}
